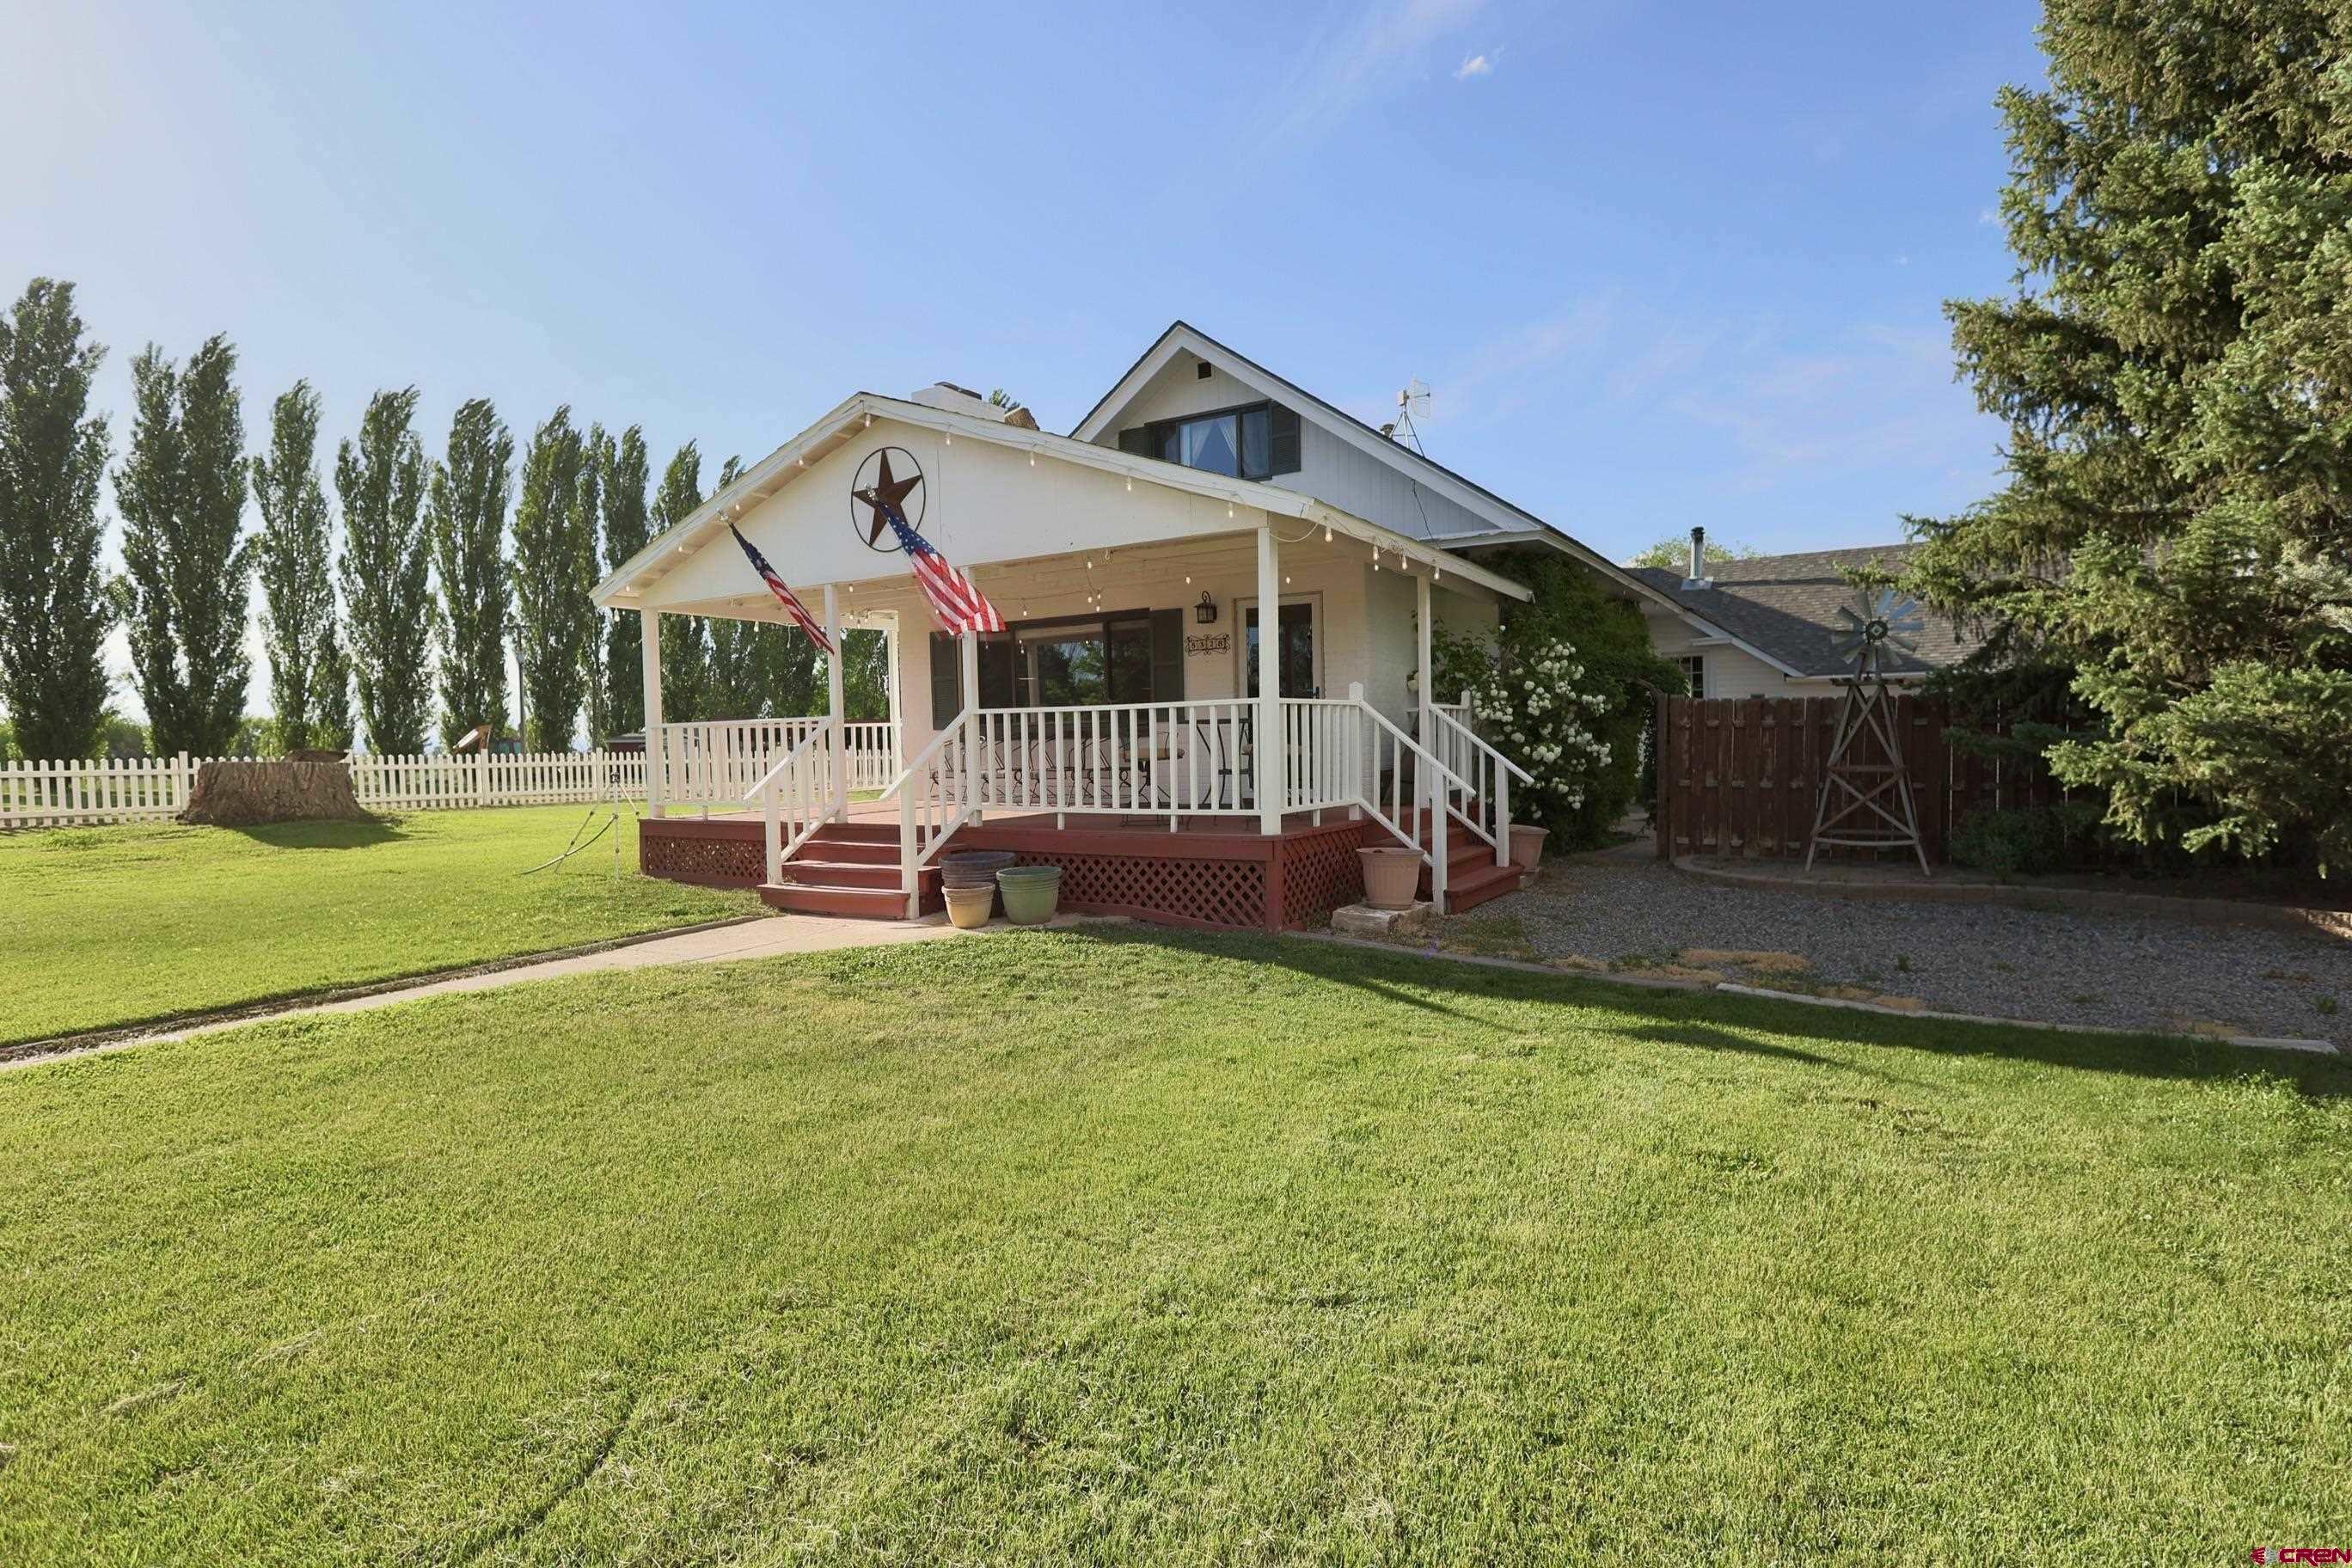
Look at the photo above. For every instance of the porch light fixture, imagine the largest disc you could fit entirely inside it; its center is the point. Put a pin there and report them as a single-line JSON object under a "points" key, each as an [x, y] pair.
{"points": [[1205, 612], [1327, 533]]}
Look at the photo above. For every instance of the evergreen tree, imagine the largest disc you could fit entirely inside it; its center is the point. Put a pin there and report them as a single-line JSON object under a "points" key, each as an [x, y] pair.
{"points": [[466, 517], [387, 585], [54, 609], [2177, 518], [553, 619], [623, 484], [187, 572], [595, 456], [686, 642], [294, 556]]}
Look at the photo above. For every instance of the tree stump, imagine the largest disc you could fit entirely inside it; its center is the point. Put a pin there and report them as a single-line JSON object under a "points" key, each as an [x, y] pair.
{"points": [[247, 794]]}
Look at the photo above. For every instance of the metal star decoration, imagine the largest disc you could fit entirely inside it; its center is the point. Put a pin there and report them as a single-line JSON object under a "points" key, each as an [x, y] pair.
{"points": [[884, 496]]}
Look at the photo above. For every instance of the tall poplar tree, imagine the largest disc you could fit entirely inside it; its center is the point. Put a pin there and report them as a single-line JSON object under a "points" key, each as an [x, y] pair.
{"points": [[54, 609], [466, 515], [387, 583], [553, 618], [624, 488], [595, 456], [735, 684], [294, 556], [686, 639], [2176, 370], [188, 570], [332, 725]]}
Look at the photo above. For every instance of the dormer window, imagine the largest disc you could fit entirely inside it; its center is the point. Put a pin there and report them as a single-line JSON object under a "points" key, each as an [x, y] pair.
{"points": [[1252, 442]]}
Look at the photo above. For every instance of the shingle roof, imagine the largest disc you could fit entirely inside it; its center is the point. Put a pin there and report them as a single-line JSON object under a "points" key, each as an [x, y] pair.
{"points": [[1787, 607]]}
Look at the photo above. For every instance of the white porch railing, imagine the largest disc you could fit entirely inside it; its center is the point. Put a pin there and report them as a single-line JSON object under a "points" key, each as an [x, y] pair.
{"points": [[1179, 759], [1146, 759], [935, 797], [796, 796], [1483, 802], [716, 763]]}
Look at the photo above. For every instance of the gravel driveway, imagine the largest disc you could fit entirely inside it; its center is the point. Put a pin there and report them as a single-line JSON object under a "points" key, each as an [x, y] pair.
{"points": [[2127, 970]]}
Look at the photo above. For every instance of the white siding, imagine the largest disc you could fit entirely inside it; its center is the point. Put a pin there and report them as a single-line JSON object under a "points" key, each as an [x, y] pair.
{"points": [[1730, 672], [1330, 469]]}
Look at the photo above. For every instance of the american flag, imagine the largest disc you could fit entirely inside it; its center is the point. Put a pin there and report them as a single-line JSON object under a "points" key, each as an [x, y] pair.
{"points": [[785, 597], [959, 606]]}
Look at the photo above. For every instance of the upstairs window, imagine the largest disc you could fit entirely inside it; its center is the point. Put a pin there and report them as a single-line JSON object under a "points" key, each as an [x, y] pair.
{"points": [[1255, 442]]}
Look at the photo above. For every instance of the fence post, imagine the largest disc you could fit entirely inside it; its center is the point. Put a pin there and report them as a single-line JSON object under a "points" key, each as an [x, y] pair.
{"points": [[184, 786], [482, 775]]}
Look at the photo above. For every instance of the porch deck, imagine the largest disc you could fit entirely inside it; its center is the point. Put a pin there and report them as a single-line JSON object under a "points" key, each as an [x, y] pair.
{"points": [[1207, 872]]}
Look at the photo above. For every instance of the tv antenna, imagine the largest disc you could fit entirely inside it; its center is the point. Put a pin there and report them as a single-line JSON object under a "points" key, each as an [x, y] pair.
{"points": [[1413, 406]]}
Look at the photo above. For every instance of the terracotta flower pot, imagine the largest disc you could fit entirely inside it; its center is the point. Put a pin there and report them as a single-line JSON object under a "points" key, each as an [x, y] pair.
{"points": [[1391, 877], [1526, 847], [969, 907]]}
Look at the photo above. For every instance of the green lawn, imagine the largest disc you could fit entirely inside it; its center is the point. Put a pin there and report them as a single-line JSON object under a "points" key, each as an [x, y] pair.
{"points": [[120, 925], [1108, 1246]]}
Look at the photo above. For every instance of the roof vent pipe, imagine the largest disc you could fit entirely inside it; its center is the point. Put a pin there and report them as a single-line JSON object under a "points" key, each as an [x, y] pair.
{"points": [[1697, 576]]}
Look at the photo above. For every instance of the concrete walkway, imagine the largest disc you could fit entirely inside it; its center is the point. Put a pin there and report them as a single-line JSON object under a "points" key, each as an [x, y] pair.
{"points": [[768, 938]]}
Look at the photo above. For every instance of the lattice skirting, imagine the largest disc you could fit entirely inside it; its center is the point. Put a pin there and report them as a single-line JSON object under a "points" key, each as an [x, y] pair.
{"points": [[1319, 874], [727, 862], [1229, 893]]}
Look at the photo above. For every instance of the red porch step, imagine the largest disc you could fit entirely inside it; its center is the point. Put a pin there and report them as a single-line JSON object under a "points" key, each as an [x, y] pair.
{"points": [[851, 869], [1472, 877]]}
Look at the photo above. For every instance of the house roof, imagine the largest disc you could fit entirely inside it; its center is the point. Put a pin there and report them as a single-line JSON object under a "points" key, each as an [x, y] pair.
{"points": [[1508, 523], [846, 420], [1785, 608]]}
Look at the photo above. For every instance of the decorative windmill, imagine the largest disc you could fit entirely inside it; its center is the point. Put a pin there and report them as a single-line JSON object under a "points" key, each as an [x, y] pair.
{"points": [[1866, 801]]}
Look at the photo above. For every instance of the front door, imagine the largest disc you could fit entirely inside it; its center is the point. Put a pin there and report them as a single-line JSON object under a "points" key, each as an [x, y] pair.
{"points": [[1295, 630]]}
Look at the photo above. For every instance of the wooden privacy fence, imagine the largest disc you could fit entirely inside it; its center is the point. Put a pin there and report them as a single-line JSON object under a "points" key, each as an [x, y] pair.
{"points": [[1741, 776], [153, 789]]}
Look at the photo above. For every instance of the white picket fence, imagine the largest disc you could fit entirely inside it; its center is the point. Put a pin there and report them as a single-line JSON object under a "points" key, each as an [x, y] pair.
{"points": [[149, 789]]}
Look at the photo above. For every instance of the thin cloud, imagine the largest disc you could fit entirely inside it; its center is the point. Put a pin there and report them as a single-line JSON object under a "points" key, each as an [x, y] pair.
{"points": [[1354, 61], [1477, 65]]}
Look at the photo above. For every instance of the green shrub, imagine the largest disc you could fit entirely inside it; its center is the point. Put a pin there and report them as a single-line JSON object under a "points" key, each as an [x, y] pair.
{"points": [[2029, 840]]}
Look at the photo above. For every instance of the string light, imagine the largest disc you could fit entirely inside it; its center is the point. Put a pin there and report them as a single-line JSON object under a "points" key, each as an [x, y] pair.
{"points": [[1327, 533]]}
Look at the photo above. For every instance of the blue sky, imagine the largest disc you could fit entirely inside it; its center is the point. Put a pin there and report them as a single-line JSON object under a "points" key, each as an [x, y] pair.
{"points": [[1661, 265]]}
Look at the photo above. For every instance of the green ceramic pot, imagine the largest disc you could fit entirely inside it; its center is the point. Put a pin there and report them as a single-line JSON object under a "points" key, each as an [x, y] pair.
{"points": [[1031, 893]]}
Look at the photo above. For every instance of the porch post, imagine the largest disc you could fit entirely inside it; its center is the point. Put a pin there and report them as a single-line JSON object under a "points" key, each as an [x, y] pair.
{"points": [[838, 707], [1421, 591], [1267, 752], [649, 639], [890, 684], [968, 660]]}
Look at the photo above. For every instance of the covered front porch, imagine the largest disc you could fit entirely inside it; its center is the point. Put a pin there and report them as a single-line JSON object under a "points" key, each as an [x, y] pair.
{"points": [[1127, 725]]}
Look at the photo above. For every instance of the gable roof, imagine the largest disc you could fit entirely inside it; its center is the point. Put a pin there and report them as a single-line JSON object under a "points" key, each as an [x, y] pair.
{"points": [[1508, 523], [620, 588], [1785, 608]]}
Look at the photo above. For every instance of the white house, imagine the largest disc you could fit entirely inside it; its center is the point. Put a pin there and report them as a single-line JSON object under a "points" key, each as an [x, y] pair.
{"points": [[1115, 727]]}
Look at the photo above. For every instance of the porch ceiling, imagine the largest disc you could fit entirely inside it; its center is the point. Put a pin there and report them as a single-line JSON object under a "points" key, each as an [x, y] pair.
{"points": [[1293, 517], [1128, 575]]}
